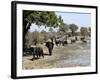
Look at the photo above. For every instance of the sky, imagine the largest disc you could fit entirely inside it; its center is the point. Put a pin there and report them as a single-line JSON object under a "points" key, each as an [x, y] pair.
{"points": [[80, 19]]}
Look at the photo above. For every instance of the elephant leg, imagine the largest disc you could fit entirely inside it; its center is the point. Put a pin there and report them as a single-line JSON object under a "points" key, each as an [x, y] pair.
{"points": [[50, 52]]}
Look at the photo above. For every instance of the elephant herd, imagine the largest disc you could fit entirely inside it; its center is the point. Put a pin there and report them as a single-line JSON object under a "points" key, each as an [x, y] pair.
{"points": [[63, 41], [38, 52]]}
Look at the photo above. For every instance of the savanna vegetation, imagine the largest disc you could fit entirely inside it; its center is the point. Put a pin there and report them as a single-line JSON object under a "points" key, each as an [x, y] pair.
{"points": [[77, 54], [50, 20]]}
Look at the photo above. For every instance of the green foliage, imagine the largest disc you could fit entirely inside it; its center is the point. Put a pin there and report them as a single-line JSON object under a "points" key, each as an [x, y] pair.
{"points": [[64, 28], [84, 31], [40, 18], [60, 21], [73, 28], [89, 31], [51, 20], [45, 18]]}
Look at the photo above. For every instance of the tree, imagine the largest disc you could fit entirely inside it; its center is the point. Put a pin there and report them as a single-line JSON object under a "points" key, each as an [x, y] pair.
{"points": [[89, 31], [83, 31], [45, 18], [64, 28], [73, 28]]}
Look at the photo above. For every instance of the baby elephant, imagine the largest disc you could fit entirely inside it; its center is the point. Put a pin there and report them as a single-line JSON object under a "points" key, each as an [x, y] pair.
{"points": [[37, 52]]}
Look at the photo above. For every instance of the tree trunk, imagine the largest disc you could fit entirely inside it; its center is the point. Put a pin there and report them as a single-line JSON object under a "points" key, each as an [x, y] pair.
{"points": [[26, 27], [72, 33]]}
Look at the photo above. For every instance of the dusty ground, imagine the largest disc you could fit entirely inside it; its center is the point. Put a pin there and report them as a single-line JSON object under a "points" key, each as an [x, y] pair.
{"points": [[72, 55]]}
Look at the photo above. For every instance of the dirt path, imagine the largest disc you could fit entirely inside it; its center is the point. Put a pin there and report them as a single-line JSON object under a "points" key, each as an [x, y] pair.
{"points": [[77, 54]]}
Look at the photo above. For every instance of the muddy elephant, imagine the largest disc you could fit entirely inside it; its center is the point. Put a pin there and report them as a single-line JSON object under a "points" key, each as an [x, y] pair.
{"points": [[37, 52], [50, 46]]}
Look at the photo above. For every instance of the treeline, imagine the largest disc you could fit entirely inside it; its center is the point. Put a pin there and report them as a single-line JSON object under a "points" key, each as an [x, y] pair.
{"points": [[50, 20], [32, 38], [73, 30]]}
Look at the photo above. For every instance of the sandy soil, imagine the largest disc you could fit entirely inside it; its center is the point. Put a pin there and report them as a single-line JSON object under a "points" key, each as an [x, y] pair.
{"points": [[71, 55]]}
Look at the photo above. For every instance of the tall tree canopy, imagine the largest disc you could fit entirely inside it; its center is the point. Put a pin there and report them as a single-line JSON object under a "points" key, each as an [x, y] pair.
{"points": [[45, 18], [40, 18], [83, 31], [73, 28], [64, 28]]}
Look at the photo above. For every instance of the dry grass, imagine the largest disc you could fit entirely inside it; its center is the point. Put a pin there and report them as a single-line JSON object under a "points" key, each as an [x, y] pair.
{"points": [[68, 56]]}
